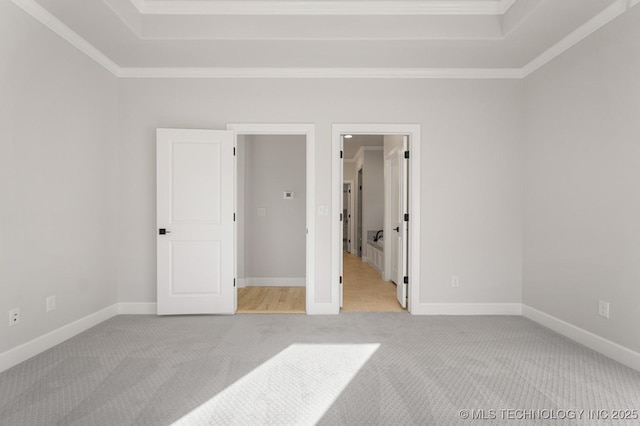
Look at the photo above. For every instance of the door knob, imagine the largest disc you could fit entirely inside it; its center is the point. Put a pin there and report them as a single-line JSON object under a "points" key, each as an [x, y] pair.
{"points": [[397, 229], [163, 231]]}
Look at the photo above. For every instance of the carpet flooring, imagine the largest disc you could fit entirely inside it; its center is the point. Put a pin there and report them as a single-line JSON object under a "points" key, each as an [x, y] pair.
{"points": [[350, 369]]}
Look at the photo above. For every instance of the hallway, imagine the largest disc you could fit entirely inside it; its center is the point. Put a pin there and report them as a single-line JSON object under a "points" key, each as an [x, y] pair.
{"points": [[364, 289]]}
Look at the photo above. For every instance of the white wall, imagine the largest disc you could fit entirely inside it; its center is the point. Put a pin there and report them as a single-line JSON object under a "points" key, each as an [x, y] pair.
{"points": [[275, 244], [58, 179], [582, 203], [471, 168]]}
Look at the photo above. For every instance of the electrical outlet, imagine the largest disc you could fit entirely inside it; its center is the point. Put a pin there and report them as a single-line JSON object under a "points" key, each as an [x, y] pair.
{"points": [[603, 308], [455, 281], [14, 316], [51, 303]]}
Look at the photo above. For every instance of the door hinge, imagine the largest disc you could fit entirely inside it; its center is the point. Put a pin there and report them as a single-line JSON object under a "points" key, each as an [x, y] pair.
{"points": [[406, 217], [234, 217], [341, 154], [234, 282], [340, 217], [406, 154], [406, 280], [340, 279], [234, 150]]}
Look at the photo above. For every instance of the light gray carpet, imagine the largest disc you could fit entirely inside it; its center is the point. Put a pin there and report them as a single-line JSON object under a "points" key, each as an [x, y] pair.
{"points": [[351, 369]]}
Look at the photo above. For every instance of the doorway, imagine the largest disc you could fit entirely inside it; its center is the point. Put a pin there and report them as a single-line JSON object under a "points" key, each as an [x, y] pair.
{"points": [[271, 223], [277, 294], [409, 284], [366, 286]]}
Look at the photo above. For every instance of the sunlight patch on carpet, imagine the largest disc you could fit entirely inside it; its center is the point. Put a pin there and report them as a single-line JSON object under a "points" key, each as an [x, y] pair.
{"points": [[297, 386]]}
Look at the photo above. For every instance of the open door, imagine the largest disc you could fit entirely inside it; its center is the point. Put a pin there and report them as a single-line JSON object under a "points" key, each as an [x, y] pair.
{"points": [[399, 220], [342, 218], [195, 221]]}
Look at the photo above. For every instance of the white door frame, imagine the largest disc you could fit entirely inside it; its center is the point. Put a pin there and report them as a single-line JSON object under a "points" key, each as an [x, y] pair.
{"points": [[309, 131], [413, 131]]}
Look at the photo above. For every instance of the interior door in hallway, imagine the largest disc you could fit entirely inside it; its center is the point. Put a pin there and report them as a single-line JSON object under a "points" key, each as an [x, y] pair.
{"points": [[396, 165], [195, 221]]}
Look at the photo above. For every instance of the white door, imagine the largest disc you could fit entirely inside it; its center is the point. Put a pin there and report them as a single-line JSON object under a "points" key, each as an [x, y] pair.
{"points": [[195, 218], [342, 227], [399, 207]]}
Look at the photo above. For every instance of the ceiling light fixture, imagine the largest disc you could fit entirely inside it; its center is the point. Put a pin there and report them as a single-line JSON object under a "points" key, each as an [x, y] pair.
{"points": [[348, 136]]}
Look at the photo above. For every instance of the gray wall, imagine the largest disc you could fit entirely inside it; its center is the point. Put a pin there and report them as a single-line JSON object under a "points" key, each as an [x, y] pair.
{"points": [[349, 173], [471, 164], [372, 192], [582, 173], [275, 244], [58, 180]]}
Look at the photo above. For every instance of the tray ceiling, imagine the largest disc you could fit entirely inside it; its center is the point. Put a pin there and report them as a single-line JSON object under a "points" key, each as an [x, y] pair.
{"points": [[421, 37]]}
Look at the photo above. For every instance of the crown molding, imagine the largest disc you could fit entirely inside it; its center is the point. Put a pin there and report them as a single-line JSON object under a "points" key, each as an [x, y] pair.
{"points": [[592, 25], [54, 24], [325, 7], [345, 73]]}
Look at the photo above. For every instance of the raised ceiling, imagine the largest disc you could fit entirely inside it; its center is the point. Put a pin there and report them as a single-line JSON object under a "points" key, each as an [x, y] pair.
{"points": [[342, 38]]}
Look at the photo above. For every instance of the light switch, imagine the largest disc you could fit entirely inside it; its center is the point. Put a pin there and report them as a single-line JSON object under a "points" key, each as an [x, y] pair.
{"points": [[262, 211], [323, 210]]}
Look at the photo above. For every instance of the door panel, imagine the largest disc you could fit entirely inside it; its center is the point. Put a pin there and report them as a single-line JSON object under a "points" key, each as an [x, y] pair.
{"points": [[402, 240], [195, 185], [395, 239], [186, 278], [195, 182], [342, 209]]}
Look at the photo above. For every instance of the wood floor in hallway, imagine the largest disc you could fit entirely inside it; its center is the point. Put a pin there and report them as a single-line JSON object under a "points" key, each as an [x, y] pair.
{"points": [[271, 300], [364, 289]]}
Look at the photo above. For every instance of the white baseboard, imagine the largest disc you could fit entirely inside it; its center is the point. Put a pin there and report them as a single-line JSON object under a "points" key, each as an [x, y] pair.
{"points": [[466, 309], [21, 353], [275, 282], [599, 344], [137, 308], [242, 282]]}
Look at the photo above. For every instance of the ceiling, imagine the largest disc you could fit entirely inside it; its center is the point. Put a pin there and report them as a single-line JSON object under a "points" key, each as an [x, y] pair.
{"points": [[352, 145], [340, 38]]}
